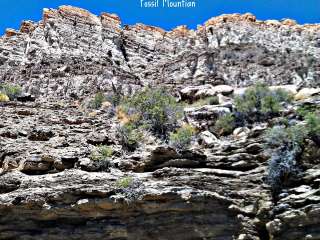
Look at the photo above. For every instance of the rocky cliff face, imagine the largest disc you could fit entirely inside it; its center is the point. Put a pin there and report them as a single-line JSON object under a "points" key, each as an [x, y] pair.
{"points": [[51, 189], [71, 49]]}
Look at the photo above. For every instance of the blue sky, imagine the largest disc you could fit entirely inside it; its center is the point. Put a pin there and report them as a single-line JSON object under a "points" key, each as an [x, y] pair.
{"points": [[12, 12]]}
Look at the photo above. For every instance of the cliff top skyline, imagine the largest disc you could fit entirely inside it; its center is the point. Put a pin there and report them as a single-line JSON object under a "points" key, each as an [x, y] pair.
{"points": [[131, 12]]}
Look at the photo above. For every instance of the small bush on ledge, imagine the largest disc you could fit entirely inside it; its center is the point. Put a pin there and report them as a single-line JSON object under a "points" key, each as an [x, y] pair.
{"points": [[124, 182], [129, 136], [182, 138], [259, 102], [155, 109], [130, 189], [97, 101], [303, 111], [103, 152], [12, 91], [313, 126], [101, 156], [284, 144], [225, 124]]}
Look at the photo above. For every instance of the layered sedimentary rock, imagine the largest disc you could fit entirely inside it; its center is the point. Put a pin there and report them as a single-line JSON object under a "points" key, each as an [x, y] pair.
{"points": [[50, 188], [71, 49]]}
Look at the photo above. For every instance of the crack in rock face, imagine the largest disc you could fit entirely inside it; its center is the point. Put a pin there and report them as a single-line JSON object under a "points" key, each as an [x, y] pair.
{"points": [[65, 171]]}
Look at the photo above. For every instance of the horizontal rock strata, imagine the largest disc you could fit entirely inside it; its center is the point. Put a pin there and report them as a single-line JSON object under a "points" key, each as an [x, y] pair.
{"points": [[71, 49], [52, 188]]}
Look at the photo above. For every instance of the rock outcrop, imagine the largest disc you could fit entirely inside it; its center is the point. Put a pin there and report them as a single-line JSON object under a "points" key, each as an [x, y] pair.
{"points": [[48, 188], [52, 188], [72, 52]]}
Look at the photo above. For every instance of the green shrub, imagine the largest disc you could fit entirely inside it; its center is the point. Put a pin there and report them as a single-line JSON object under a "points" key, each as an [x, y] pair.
{"points": [[101, 156], [269, 104], [283, 121], [259, 102], [129, 136], [12, 91], [279, 136], [214, 100], [225, 124], [124, 182], [114, 99], [284, 145], [282, 95], [154, 108], [131, 189], [102, 153], [182, 138], [303, 111], [97, 101], [313, 126]]}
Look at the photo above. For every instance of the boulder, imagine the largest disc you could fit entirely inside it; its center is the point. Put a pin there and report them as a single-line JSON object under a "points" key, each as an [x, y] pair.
{"points": [[205, 115], [192, 93], [36, 165], [98, 138], [207, 139], [306, 93], [239, 91], [202, 111], [214, 91], [106, 105], [241, 132], [88, 165], [189, 93]]}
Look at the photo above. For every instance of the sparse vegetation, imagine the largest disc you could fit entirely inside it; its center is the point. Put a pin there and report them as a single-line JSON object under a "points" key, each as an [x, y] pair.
{"points": [[101, 156], [281, 121], [225, 124], [97, 101], [103, 152], [283, 95], [284, 144], [124, 182], [11, 91], [303, 111], [259, 102], [313, 126], [155, 109], [270, 104], [129, 136], [214, 100], [130, 189], [114, 99], [116, 96], [182, 137]]}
